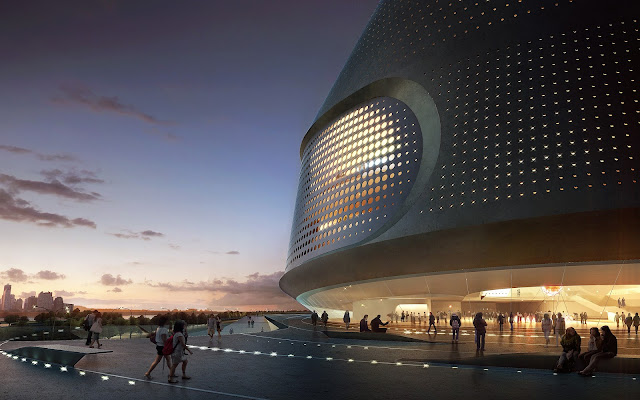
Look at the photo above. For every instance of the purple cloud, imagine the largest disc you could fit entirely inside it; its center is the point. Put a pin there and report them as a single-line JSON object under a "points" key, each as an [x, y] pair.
{"points": [[110, 280], [48, 275], [72, 177], [41, 156], [14, 275], [55, 188], [19, 210], [79, 95], [144, 235]]}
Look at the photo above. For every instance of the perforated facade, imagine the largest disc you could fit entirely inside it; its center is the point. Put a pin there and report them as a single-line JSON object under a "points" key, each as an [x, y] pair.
{"points": [[526, 120]]}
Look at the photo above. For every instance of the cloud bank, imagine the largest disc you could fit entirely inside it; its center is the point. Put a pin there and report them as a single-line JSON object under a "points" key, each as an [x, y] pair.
{"points": [[110, 280]]}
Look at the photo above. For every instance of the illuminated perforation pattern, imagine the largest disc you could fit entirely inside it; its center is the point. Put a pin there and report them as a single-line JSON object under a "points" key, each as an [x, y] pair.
{"points": [[354, 174], [541, 118], [403, 31]]}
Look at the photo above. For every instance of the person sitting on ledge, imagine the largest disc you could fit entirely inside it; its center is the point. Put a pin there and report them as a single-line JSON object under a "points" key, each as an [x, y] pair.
{"points": [[609, 350], [375, 325], [570, 349], [364, 326], [594, 346]]}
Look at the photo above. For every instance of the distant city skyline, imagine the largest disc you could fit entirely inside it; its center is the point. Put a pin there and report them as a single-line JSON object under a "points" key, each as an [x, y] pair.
{"points": [[149, 155]]}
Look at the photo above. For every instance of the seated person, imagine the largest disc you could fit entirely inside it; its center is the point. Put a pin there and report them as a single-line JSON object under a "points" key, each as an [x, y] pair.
{"points": [[595, 345], [364, 327], [375, 325], [570, 349], [609, 350]]}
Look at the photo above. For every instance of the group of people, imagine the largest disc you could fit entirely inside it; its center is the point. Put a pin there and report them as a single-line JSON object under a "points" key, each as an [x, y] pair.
{"points": [[602, 345], [214, 324], [628, 321], [93, 325], [376, 324], [172, 348], [324, 318]]}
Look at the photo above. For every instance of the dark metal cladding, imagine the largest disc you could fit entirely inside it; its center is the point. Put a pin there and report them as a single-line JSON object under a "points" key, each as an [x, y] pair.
{"points": [[535, 113]]}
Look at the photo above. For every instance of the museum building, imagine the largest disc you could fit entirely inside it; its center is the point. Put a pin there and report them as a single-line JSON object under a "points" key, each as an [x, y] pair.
{"points": [[476, 155]]}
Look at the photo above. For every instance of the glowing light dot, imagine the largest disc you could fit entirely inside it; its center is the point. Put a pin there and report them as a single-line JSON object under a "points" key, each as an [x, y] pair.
{"points": [[309, 357], [425, 366], [374, 362], [104, 378], [34, 363], [454, 367], [63, 369], [256, 353], [351, 360], [329, 358], [273, 354], [132, 383], [47, 365]]}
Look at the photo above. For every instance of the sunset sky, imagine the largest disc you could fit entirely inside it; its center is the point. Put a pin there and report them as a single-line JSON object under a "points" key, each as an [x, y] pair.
{"points": [[149, 151]]}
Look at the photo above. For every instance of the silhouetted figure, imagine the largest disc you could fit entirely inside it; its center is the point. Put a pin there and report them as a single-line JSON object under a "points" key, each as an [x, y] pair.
{"points": [[376, 323], [481, 329], [314, 319], [500, 321], [364, 326], [324, 318], [432, 321], [346, 319], [455, 327]]}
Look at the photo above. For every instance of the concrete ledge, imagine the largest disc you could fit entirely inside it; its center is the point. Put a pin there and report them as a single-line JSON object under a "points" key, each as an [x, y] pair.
{"points": [[617, 365], [388, 337], [56, 353]]}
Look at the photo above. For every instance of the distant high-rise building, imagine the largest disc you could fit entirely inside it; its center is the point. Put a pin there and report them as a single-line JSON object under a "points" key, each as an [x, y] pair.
{"points": [[18, 305], [30, 302], [6, 295], [45, 300], [58, 304]]}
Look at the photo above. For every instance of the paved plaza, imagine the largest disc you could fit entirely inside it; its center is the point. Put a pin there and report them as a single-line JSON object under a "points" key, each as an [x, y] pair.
{"points": [[300, 362]]}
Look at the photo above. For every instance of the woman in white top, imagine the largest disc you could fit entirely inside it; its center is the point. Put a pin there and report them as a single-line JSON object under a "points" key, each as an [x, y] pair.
{"points": [[96, 330], [546, 328], [161, 334], [179, 347]]}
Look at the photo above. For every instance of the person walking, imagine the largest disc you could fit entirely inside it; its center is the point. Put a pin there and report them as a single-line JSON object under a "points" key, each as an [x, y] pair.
{"points": [[619, 304], [402, 316], [160, 337], [324, 318], [586, 317], [481, 329], [178, 355], [546, 328], [211, 328], [554, 319], [219, 326], [609, 350], [346, 319], [636, 322], [560, 327], [617, 319], [628, 321], [511, 320], [432, 321], [87, 323], [624, 303], [96, 330], [249, 322], [501, 321], [455, 327], [314, 319]]}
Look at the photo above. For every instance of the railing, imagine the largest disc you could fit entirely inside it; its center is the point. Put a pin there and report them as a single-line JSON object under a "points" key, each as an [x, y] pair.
{"points": [[66, 332]]}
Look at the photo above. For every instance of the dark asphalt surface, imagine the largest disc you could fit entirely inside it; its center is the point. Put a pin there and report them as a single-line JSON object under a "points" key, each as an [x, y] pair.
{"points": [[299, 363]]}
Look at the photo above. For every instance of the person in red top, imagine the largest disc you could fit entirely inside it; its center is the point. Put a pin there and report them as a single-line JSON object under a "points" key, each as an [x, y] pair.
{"points": [[481, 329]]}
